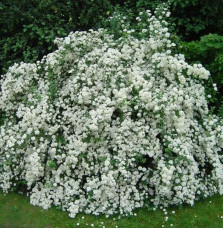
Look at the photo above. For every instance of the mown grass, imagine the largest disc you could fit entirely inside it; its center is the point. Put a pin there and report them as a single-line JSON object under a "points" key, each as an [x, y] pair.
{"points": [[16, 212]]}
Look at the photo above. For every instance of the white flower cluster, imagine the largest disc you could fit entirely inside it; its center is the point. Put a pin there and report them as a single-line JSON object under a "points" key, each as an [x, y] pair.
{"points": [[105, 125]]}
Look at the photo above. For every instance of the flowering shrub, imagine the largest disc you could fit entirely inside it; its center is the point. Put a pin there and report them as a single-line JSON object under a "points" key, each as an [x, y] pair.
{"points": [[106, 125]]}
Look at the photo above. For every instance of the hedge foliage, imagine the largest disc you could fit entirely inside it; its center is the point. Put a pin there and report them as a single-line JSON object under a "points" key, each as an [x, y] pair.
{"points": [[208, 51], [28, 28]]}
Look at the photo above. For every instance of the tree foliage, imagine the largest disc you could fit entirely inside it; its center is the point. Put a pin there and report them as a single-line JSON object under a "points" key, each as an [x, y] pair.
{"points": [[28, 28], [208, 51]]}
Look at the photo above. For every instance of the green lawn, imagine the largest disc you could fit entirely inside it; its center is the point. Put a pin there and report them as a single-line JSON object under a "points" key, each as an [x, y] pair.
{"points": [[16, 212]]}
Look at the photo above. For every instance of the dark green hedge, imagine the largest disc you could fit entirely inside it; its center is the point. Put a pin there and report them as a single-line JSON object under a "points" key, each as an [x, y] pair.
{"points": [[208, 51], [28, 27]]}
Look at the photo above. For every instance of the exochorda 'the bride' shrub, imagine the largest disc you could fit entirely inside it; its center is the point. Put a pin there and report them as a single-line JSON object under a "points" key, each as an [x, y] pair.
{"points": [[106, 125]]}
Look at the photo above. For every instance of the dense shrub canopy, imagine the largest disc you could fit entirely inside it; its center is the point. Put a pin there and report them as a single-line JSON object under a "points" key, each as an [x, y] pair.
{"points": [[106, 125]]}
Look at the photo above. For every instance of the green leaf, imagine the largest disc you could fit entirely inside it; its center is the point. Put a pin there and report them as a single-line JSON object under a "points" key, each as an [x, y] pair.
{"points": [[102, 159], [52, 164]]}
